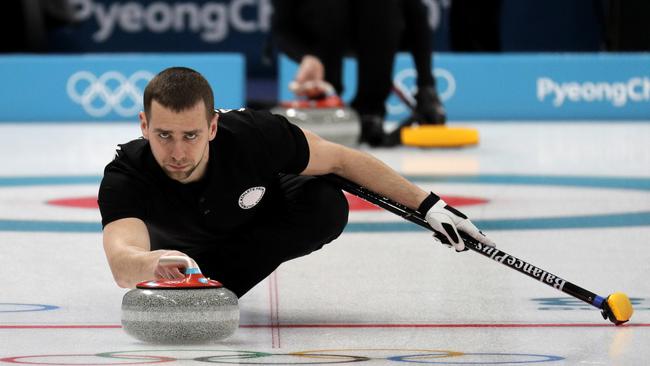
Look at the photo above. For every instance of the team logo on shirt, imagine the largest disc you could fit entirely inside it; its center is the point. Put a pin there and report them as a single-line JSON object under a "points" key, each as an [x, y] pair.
{"points": [[251, 197]]}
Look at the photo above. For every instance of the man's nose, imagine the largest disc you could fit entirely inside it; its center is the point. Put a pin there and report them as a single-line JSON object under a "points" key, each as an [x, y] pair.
{"points": [[177, 152]]}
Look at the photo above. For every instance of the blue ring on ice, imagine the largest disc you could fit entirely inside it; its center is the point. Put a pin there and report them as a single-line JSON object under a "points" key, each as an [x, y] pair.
{"points": [[626, 219], [447, 361], [29, 307]]}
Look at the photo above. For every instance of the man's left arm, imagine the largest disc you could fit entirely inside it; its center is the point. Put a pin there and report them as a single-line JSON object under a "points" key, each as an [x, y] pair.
{"points": [[326, 157]]}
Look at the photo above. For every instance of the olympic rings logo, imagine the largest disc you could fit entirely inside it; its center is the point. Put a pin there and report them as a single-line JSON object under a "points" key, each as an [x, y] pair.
{"points": [[313, 357], [111, 91], [405, 80]]}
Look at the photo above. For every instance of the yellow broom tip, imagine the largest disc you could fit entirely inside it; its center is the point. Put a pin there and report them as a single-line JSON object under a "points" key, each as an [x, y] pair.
{"points": [[439, 136], [620, 308]]}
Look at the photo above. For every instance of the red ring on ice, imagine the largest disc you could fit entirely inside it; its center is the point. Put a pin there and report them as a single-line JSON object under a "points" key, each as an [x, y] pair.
{"points": [[356, 203], [16, 359], [81, 202]]}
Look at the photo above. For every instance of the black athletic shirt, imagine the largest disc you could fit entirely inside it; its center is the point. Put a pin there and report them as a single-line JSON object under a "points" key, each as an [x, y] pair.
{"points": [[250, 150]]}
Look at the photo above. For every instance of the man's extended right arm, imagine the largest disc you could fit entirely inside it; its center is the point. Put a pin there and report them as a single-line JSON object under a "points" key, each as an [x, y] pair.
{"points": [[127, 248]]}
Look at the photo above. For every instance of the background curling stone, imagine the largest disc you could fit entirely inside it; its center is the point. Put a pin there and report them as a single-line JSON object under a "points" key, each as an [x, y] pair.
{"points": [[327, 117], [438, 136], [180, 311]]}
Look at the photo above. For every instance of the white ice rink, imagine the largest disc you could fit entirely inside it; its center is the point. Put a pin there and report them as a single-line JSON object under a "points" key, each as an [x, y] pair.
{"points": [[570, 197]]}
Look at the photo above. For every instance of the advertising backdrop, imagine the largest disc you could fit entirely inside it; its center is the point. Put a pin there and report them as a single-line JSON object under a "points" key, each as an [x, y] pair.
{"points": [[103, 87], [520, 86]]}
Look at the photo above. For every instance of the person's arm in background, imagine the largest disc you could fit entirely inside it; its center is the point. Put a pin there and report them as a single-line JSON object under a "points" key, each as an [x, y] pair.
{"points": [[291, 40]]}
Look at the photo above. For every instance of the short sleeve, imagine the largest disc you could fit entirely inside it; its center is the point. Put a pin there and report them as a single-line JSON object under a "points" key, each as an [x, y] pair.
{"points": [[285, 142], [118, 198]]}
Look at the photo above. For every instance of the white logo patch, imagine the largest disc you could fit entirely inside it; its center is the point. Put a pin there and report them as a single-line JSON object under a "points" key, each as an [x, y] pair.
{"points": [[251, 197]]}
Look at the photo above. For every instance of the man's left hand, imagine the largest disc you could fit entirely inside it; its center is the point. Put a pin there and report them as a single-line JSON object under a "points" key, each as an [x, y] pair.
{"points": [[448, 221]]}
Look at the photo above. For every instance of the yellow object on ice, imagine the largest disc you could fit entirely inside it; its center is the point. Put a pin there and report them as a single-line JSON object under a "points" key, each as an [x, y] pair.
{"points": [[620, 306], [439, 136]]}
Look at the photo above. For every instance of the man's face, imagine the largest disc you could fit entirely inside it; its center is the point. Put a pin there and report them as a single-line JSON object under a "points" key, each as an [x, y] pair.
{"points": [[179, 141]]}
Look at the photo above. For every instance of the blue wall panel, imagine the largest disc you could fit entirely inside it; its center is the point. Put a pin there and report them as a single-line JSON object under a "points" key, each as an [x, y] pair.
{"points": [[103, 87], [521, 86]]}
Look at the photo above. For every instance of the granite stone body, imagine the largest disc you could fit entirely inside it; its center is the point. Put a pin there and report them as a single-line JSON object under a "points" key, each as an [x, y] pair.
{"points": [[180, 316], [339, 124]]}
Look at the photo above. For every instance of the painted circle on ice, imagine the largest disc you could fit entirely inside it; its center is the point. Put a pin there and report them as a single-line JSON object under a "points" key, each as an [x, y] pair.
{"points": [[6, 307], [599, 219], [81, 202], [133, 360], [480, 359], [312, 357], [356, 203], [214, 355]]}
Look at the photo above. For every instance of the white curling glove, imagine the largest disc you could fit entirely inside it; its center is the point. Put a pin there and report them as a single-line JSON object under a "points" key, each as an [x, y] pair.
{"points": [[448, 221]]}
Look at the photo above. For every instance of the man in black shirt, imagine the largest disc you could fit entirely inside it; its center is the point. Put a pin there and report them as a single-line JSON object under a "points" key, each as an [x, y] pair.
{"points": [[236, 191]]}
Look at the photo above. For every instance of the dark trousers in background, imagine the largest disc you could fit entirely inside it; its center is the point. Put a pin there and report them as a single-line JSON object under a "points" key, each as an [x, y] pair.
{"points": [[307, 213], [475, 26], [370, 30], [418, 40], [628, 25]]}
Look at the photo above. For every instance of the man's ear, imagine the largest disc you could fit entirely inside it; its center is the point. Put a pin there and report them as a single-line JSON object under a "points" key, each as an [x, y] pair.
{"points": [[214, 123], [144, 125]]}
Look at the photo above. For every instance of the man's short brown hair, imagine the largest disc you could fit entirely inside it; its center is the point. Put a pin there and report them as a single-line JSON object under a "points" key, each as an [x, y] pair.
{"points": [[179, 89]]}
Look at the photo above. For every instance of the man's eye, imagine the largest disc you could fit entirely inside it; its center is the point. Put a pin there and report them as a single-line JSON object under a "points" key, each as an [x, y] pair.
{"points": [[190, 136], [163, 135]]}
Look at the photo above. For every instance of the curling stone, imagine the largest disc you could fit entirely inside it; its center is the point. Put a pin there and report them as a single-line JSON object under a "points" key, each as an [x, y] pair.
{"points": [[327, 117], [194, 309]]}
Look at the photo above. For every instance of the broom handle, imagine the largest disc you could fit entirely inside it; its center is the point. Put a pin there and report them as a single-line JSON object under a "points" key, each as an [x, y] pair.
{"points": [[495, 254], [408, 100]]}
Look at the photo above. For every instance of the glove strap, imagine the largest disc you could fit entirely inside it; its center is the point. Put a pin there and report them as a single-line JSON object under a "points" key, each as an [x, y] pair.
{"points": [[428, 202]]}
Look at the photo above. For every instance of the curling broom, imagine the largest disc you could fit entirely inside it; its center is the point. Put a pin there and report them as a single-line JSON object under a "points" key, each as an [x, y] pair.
{"points": [[413, 133], [615, 307]]}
